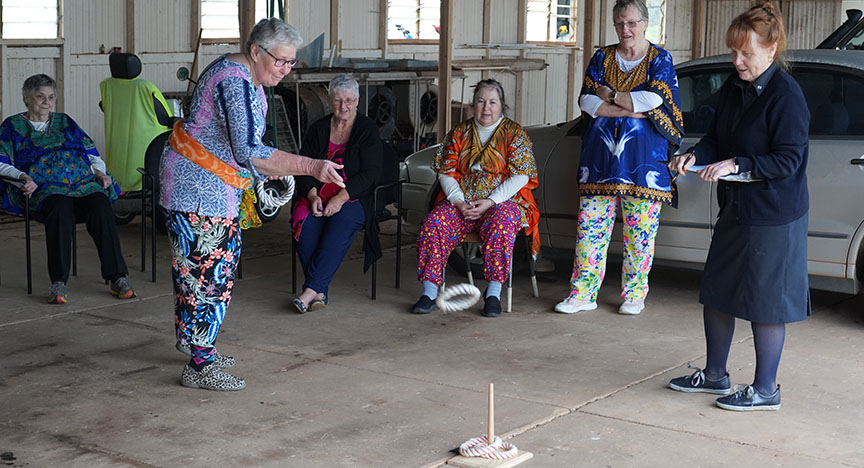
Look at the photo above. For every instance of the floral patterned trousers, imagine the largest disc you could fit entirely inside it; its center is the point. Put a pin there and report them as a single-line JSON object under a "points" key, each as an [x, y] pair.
{"points": [[205, 254], [444, 228], [596, 219]]}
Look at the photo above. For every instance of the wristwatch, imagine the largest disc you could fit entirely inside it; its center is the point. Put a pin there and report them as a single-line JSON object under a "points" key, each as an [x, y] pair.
{"points": [[612, 95]]}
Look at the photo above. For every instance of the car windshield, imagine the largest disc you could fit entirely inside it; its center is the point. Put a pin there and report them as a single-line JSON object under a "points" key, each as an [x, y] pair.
{"points": [[857, 41]]}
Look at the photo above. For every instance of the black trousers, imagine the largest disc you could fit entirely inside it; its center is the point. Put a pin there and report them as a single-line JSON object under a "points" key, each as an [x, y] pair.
{"points": [[59, 213]]}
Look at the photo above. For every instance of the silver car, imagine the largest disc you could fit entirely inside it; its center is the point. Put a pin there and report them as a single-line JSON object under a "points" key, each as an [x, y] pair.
{"points": [[833, 84]]}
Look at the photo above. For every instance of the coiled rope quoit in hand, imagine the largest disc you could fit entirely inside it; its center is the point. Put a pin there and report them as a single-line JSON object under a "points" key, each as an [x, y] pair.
{"points": [[267, 200]]}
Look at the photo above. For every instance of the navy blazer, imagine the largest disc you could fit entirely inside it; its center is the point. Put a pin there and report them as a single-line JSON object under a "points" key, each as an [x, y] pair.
{"points": [[769, 138]]}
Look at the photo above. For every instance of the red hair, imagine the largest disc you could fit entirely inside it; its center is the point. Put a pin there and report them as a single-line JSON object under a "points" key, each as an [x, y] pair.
{"points": [[763, 19]]}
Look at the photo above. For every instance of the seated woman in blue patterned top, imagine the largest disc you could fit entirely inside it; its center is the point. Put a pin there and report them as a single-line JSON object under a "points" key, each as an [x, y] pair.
{"points": [[65, 178]]}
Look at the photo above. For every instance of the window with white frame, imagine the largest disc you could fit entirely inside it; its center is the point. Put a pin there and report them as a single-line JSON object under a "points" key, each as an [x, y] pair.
{"points": [[656, 31], [29, 19], [413, 19], [220, 20], [551, 21]]}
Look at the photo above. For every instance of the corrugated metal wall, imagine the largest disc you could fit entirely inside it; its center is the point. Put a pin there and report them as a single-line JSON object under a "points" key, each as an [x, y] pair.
{"points": [[359, 20], [91, 23], [163, 26], [807, 21]]}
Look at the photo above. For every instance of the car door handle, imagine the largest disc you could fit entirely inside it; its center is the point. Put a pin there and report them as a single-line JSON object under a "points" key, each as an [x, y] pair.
{"points": [[858, 161]]}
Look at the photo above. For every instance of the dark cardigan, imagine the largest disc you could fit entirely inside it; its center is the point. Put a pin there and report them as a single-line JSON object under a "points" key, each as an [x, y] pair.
{"points": [[362, 160], [768, 138]]}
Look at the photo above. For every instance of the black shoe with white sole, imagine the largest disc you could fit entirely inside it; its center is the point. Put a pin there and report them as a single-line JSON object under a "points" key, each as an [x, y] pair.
{"points": [[747, 398], [698, 382]]}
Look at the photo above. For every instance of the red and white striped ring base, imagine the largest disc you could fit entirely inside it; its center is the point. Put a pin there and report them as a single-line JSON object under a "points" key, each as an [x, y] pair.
{"points": [[497, 450]]}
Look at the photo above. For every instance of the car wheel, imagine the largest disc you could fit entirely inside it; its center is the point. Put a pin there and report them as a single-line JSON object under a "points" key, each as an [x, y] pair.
{"points": [[124, 217], [269, 213]]}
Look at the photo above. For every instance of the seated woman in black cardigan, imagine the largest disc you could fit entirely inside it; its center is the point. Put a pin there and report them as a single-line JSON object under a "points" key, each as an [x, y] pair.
{"points": [[327, 217]]}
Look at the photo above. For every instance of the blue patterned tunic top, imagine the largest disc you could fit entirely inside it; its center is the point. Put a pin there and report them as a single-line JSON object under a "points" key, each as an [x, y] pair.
{"points": [[57, 158], [227, 116], [627, 156]]}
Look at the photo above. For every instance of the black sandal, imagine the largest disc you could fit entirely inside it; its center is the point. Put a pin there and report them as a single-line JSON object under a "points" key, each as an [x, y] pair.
{"points": [[299, 305], [318, 303]]}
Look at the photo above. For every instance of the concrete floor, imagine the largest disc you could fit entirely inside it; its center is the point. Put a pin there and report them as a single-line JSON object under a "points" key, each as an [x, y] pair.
{"points": [[95, 383]]}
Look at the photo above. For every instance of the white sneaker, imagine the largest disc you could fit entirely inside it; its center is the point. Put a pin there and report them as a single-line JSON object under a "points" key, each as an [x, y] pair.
{"points": [[631, 307], [571, 305]]}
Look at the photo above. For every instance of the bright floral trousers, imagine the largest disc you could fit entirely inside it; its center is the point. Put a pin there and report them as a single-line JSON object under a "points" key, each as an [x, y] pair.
{"points": [[444, 228], [596, 219], [205, 250]]}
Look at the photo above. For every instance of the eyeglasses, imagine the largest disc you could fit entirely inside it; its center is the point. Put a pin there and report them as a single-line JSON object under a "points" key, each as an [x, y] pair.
{"points": [[346, 101], [628, 24], [280, 62]]}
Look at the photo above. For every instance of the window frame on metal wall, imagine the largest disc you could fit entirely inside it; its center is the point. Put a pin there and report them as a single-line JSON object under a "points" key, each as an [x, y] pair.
{"points": [[27, 19], [550, 28]]}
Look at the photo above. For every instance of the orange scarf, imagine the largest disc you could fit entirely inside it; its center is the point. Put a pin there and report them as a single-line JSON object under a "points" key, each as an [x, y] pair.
{"points": [[185, 145]]}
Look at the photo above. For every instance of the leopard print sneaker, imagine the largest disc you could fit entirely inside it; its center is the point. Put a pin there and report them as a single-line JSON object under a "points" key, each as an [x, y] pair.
{"points": [[211, 378], [219, 359]]}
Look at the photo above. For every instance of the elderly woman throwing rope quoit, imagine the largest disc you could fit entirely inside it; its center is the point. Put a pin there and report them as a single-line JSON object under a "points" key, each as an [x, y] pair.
{"points": [[211, 159], [486, 169], [631, 93]]}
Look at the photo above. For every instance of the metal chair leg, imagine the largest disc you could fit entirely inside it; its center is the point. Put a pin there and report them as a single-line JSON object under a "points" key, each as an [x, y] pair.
{"points": [[374, 275], [398, 232], [153, 209], [293, 265], [531, 267], [27, 245], [74, 250], [465, 253], [143, 222], [510, 287]]}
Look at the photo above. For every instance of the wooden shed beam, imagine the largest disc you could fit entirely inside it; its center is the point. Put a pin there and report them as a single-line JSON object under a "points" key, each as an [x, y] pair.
{"points": [[195, 27], [487, 33], [698, 28], [334, 24], [588, 35], [246, 12], [382, 27], [521, 36], [130, 26], [445, 70]]}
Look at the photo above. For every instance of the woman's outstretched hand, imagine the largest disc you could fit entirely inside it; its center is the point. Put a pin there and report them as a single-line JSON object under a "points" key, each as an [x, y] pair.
{"points": [[327, 172]]}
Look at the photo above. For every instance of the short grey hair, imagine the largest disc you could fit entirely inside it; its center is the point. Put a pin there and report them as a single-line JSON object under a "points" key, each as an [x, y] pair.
{"points": [[272, 31], [343, 82], [621, 5], [35, 82]]}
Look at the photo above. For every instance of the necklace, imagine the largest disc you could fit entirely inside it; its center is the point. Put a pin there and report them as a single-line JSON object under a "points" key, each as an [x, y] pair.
{"points": [[251, 69]]}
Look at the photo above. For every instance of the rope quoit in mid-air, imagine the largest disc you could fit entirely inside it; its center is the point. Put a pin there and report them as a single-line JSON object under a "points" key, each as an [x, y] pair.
{"points": [[458, 297]]}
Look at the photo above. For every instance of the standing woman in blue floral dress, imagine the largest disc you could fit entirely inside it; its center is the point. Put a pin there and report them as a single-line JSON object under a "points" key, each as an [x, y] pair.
{"points": [[210, 162], [630, 92]]}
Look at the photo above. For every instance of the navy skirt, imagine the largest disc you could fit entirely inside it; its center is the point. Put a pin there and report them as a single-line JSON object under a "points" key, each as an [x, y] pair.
{"points": [[758, 273]]}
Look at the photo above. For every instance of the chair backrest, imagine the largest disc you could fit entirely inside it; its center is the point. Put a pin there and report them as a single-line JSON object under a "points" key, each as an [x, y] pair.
{"points": [[389, 173], [153, 157], [124, 66], [131, 108]]}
